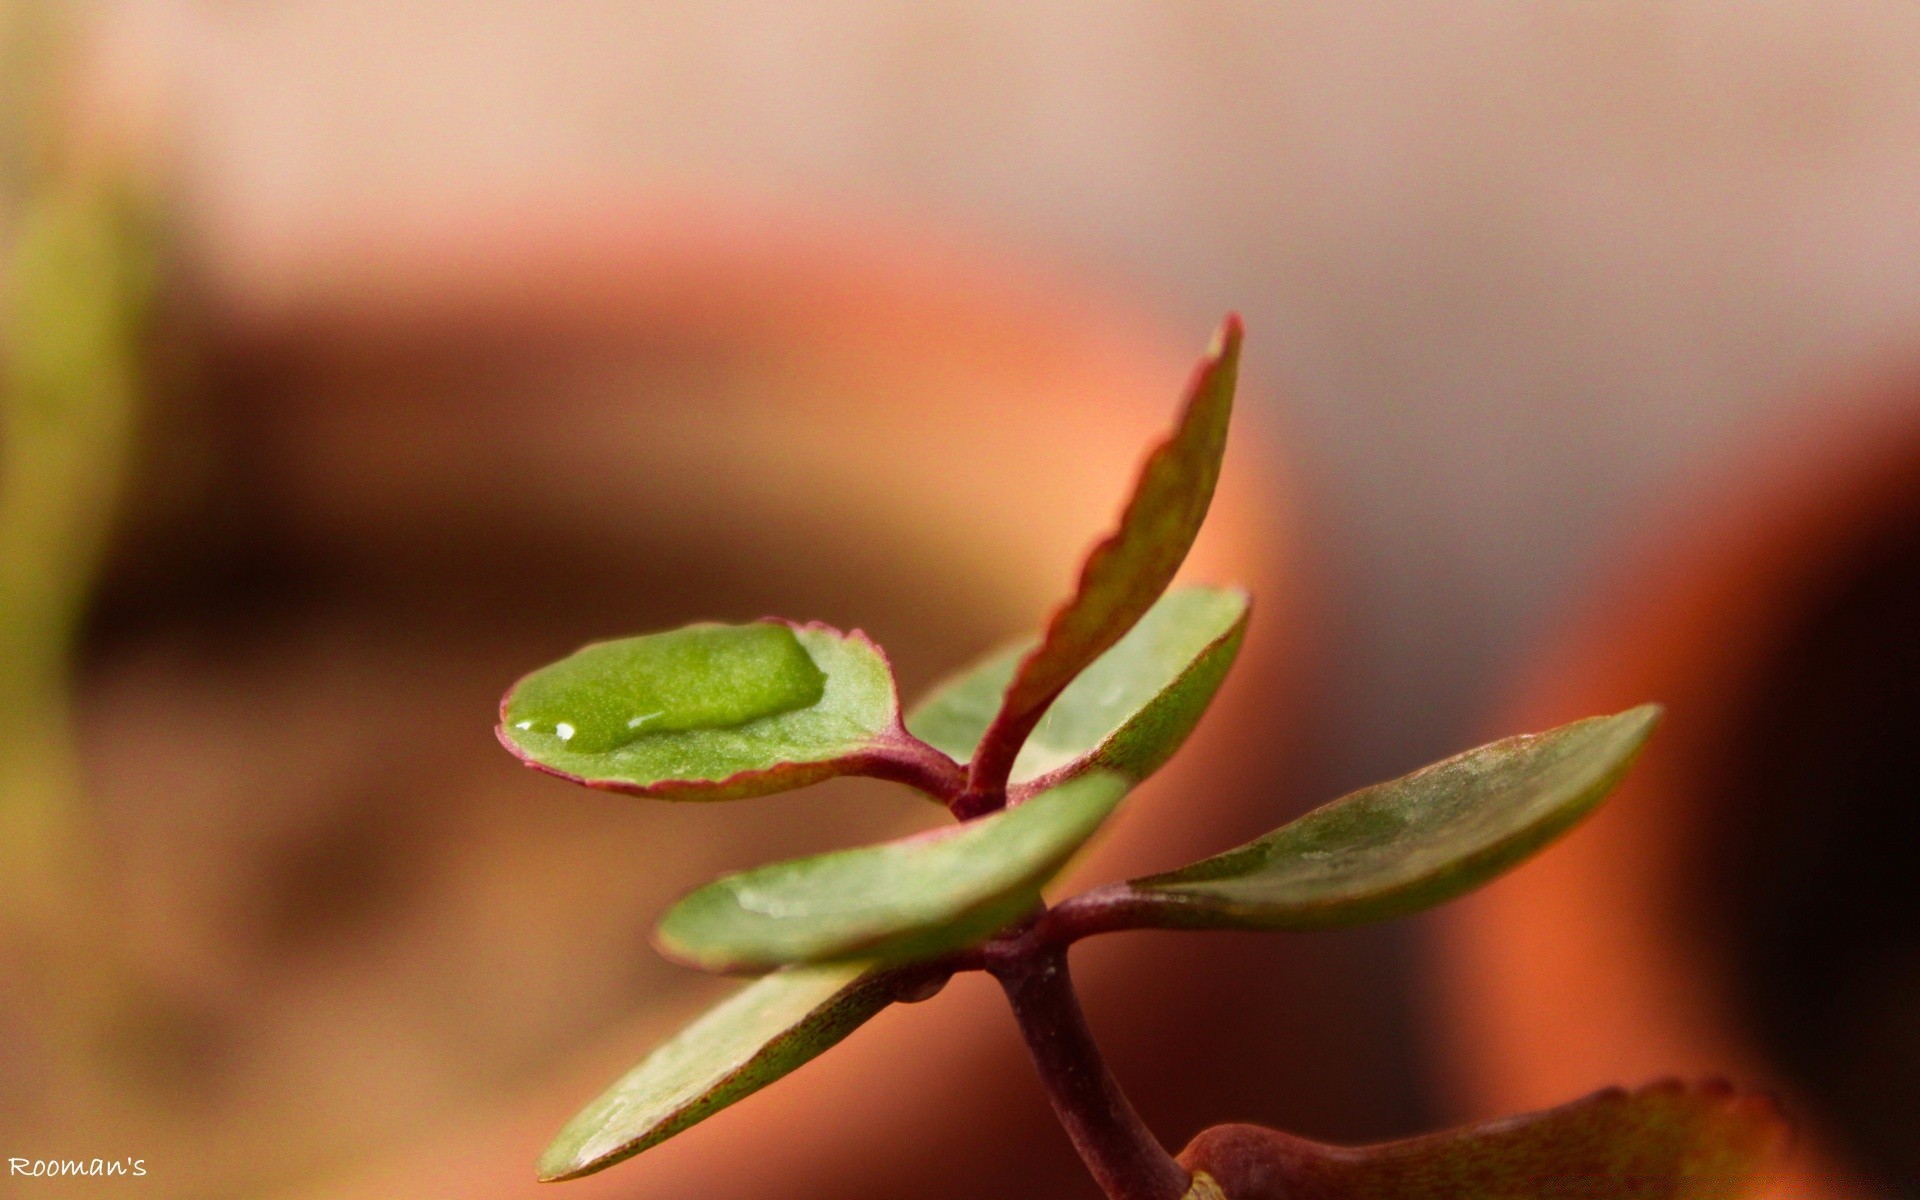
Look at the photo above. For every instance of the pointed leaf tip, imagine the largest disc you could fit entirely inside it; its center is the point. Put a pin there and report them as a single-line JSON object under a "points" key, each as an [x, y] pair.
{"points": [[1668, 1141], [910, 899], [1408, 844], [1128, 570], [764, 1031], [1226, 337]]}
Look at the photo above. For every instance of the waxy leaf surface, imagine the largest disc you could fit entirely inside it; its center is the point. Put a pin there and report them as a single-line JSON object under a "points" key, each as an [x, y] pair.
{"points": [[1127, 712], [1125, 573], [713, 712], [908, 899], [762, 1032], [1407, 844], [1664, 1142]]}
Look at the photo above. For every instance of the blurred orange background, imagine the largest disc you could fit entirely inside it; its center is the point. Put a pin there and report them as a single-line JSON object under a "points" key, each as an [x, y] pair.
{"points": [[1577, 374]]}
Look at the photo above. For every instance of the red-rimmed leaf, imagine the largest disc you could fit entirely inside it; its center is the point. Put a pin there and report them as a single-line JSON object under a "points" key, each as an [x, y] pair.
{"points": [[1124, 574], [720, 712], [761, 1033], [913, 898], [1667, 1141], [1396, 847]]}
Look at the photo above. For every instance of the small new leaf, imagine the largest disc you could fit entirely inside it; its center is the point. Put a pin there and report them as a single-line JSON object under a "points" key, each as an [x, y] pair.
{"points": [[1125, 573], [1127, 712], [1404, 845], [1203, 1187], [718, 712], [909, 899], [763, 1031], [1664, 1142]]}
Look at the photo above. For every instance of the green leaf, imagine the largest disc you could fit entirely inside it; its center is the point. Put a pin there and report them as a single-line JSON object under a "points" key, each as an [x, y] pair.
{"points": [[909, 899], [1405, 845], [1664, 1142], [702, 677], [763, 1031], [1127, 712], [717, 712], [1125, 573]]}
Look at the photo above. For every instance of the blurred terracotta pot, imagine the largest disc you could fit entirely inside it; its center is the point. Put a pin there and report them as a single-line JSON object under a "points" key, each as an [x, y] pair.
{"points": [[1744, 906], [436, 456]]}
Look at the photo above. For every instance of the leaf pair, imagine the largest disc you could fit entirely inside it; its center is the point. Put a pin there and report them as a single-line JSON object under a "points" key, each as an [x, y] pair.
{"points": [[1126, 573], [1114, 686], [1385, 850], [600, 716], [722, 712], [1101, 700]]}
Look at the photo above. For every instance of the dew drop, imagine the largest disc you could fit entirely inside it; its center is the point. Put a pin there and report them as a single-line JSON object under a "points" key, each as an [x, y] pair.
{"points": [[701, 677]]}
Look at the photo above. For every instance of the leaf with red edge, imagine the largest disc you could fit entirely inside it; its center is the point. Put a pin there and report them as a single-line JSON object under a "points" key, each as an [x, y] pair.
{"points": [[719, 712], [1126, 572], [1397, 847], [1667, 1141], [909, 899], [761, 1033]]}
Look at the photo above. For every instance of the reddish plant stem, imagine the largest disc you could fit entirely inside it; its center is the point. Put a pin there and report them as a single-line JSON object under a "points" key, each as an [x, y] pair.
{"points": [[1110, 909], [970, 803], [1127, 1161], [1114, 908], [992, 762], [903, 758]]}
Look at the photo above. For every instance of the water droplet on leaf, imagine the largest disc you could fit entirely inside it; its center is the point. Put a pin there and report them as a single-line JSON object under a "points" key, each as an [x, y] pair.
{"points": [[700, 677]]}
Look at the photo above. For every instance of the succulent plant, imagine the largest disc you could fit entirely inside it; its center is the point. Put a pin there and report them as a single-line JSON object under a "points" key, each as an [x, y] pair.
{"points": [[1032, 750]]}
